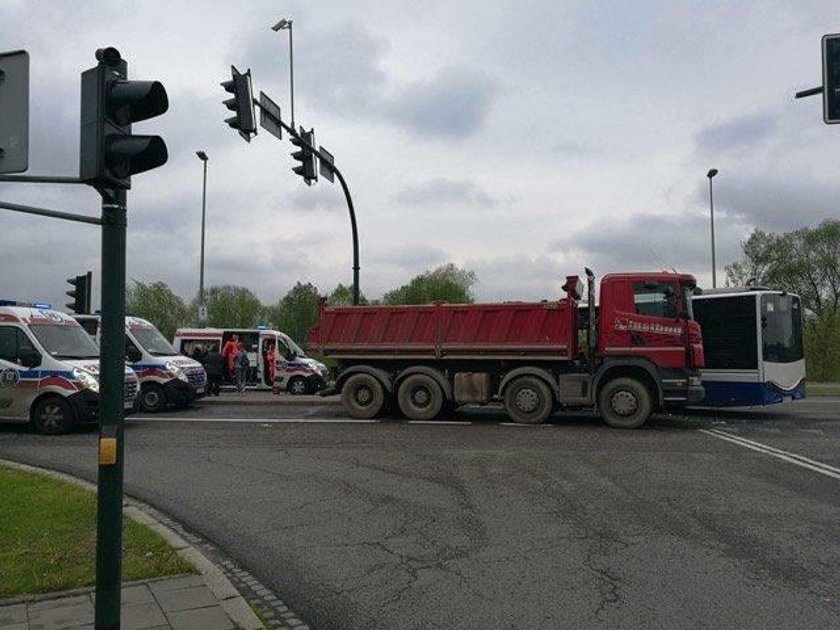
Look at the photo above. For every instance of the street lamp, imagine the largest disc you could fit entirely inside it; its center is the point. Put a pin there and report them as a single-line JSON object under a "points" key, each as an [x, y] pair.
{"points": [[712, 172], [202, 308], [286, 25]]}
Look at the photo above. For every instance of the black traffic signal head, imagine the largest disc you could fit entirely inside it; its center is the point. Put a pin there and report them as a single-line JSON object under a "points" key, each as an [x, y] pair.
{"points": [[110, 154], [242, 103], [308, 167], [831, 78], [80, 294]]}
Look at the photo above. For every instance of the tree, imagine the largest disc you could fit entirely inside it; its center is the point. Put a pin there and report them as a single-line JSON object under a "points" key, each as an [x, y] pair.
{"points": [[232, 307], [447, 283], [157, 303], [343, 296], [298, 311]]}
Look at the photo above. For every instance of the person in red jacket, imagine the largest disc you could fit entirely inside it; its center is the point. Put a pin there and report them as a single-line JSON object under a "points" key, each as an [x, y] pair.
{"points": [[228, 352]]}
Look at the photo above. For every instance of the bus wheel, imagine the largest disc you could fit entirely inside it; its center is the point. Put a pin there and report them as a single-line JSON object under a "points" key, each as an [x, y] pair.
{"points": [[363, 396], [625, 403], [528, 400], [53, 416], [420, 397], [152, 398], [297, 386]]}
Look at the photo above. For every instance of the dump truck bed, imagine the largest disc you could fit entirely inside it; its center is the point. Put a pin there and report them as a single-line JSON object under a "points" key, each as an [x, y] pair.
{"points": [[544, 330]]}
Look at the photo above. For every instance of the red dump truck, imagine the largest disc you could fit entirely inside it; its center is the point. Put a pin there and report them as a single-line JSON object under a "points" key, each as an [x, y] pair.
{"points": [[641, 351]]}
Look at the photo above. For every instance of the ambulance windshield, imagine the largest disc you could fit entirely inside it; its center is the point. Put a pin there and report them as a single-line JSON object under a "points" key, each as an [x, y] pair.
{"points": [[152, 341], [66, 342]]}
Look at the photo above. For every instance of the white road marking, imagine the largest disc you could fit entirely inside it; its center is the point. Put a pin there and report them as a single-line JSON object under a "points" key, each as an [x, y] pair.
{"points": [[787, 456], [455, 422]]}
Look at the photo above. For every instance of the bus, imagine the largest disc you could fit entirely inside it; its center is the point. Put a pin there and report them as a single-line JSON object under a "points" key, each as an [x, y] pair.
{"points": [[752, 339]]}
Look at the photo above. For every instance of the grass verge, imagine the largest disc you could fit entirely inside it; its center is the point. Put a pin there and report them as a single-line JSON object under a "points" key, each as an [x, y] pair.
{"points": [[48, 538], [823, 389]]}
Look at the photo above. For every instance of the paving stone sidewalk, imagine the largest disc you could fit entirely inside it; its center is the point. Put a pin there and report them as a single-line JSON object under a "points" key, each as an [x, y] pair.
{"points": [[179, 603]]}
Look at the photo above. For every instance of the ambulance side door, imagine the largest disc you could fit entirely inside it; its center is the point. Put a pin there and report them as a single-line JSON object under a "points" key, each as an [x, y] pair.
{"points": [[18, 384]]}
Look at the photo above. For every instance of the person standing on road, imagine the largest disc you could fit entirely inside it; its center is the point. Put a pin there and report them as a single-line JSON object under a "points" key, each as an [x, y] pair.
{"points": [[214, 364], [241, 363], [271, 365], [228, 351]]}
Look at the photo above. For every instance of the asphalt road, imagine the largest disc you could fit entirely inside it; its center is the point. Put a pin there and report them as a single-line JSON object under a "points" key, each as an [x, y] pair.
{"points": [[709, 520]]}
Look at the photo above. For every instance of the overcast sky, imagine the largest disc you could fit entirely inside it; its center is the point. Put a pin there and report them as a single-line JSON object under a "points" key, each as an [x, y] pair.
{"points": [[521, 139]]}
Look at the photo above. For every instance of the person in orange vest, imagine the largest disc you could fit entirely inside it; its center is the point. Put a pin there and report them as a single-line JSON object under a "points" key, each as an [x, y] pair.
{"points": [[228, 352], [271, 362]]}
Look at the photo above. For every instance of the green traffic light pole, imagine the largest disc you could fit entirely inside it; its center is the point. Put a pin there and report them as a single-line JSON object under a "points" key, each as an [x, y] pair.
{"points": [[268, 113]]}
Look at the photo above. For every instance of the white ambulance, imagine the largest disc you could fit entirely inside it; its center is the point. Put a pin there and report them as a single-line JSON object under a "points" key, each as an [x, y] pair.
{"points": [[49, 369], [294, 372], [166, 377]]}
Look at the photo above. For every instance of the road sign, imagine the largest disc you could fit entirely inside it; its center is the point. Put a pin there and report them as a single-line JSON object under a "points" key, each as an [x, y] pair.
{"points": [[14, 111], [831, 78], [327, 160], [202, 313], [270, 116]]}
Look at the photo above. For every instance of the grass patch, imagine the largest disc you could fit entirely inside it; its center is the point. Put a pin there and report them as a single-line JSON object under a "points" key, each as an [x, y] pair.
{"points": [[823, 389], [48, 538]]}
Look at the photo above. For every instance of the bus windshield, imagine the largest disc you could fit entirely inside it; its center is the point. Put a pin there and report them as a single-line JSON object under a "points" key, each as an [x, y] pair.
{"points": [[66, 342], [781, 326], [153, 342]]}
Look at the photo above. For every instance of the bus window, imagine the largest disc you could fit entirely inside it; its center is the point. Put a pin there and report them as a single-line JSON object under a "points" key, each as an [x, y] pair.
{"points": [[781, 324]]}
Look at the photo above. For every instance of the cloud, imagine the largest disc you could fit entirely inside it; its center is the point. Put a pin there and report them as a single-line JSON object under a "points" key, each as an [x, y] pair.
{"points": [[453, 104], [748, 131], [442, 191]]}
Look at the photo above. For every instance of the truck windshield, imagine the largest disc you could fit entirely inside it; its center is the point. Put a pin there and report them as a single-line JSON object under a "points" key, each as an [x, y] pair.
{"points": [[781, 328], [66, 342], [153, 342]]}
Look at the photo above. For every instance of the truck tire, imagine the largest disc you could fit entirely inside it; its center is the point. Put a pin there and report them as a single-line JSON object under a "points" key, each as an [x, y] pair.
{"points": [[420, 397], [152, 398], [363, 396], [53, 416], [528, 400], [625, 403]]}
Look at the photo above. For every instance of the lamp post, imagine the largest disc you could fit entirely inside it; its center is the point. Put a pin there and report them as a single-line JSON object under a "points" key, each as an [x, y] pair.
{"points": [[202, 308], [712, 172], [286, 25]]}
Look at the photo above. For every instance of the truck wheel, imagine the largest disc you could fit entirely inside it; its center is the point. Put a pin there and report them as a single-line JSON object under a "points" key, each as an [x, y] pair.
{"points": [[363, 396], [152, 398], [420, 397], [297, 386], [528, 400], [625, 403], [53, 416]]}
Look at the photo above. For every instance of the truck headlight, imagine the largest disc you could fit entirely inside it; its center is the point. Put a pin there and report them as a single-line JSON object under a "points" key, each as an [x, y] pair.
{"points": [[177, 372], [87, 379]]}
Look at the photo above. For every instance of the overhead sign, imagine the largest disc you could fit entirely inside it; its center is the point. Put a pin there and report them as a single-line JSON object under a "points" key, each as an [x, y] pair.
{"points": [[14, 111], [327, 160], [270, 116]]}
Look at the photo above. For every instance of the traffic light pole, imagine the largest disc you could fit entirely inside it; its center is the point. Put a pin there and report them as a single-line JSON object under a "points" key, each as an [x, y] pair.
{"points": [[111, 395], [290, 130]]}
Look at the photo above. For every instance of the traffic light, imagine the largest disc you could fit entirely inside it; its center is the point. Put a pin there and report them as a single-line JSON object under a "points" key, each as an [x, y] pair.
{"points": [[831, 78], [242, 103], [305, 156], [109, 153], [80, 294]]}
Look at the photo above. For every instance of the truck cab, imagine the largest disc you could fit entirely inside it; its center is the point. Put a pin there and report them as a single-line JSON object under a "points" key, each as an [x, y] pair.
{"points": [[166, 377], [49, 370]]}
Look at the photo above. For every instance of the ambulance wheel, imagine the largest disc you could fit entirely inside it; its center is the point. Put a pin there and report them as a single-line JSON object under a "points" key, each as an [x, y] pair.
{"points": [[298, 386], [363, 396], [625, 403], [528, 400], [420, 397], [53, 416], [152, 398]]}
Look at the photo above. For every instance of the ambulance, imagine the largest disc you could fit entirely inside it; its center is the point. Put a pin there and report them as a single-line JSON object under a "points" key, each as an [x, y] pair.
{"points": [[166, 377], [49, 369], [294, 372]]}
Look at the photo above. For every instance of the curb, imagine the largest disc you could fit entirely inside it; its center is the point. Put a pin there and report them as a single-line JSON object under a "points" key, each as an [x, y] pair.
{"points": [[233, 603]]}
